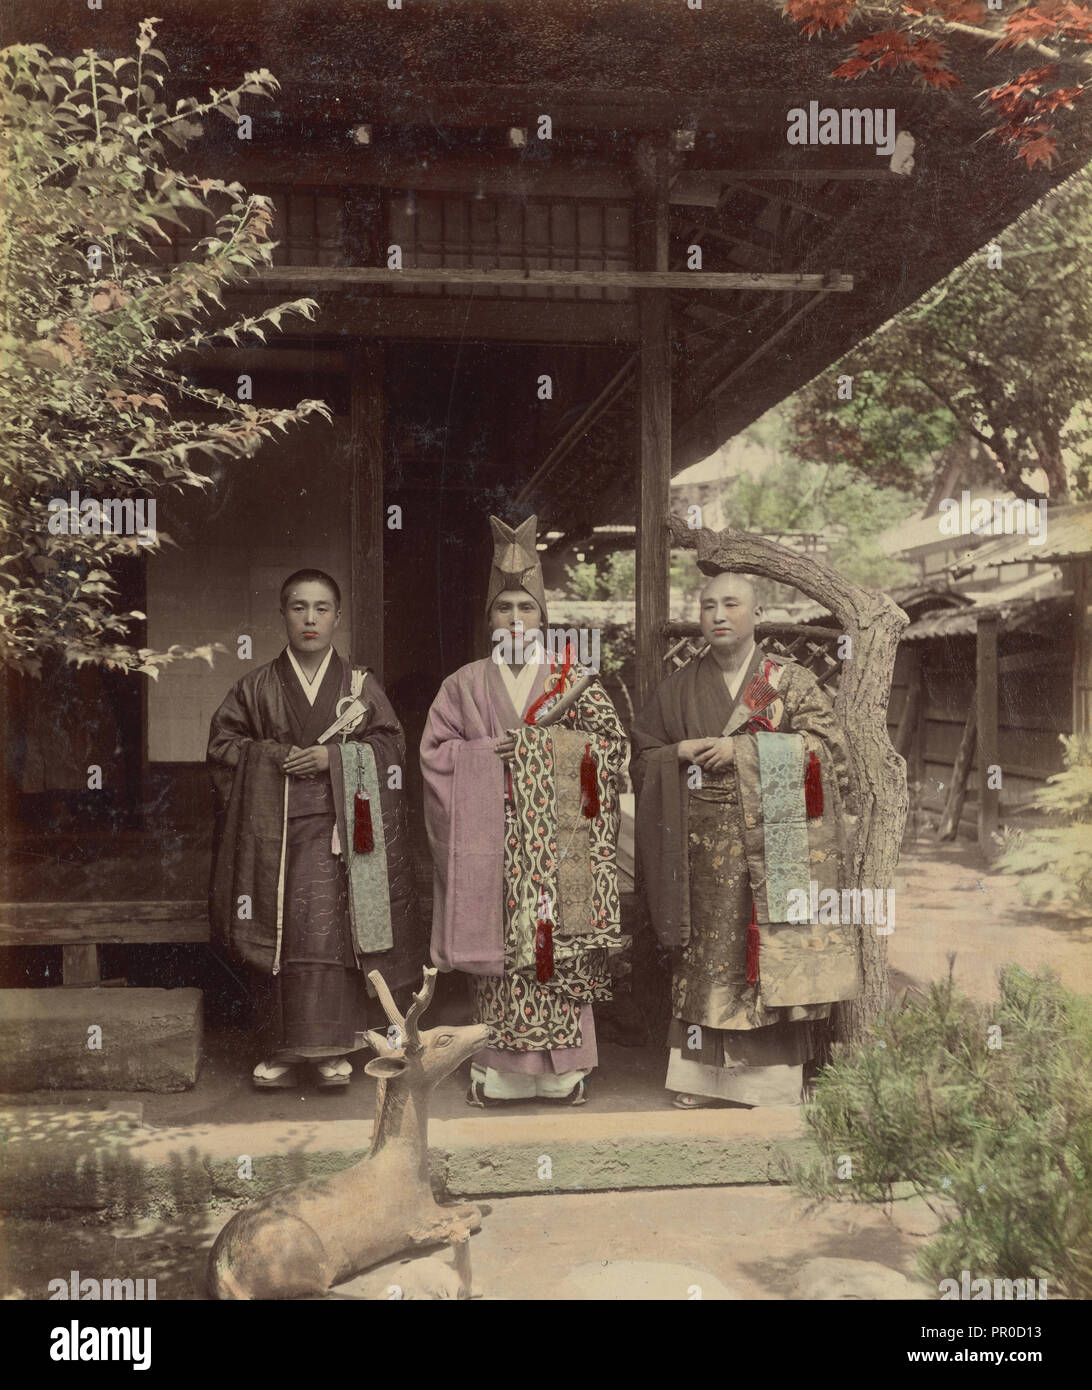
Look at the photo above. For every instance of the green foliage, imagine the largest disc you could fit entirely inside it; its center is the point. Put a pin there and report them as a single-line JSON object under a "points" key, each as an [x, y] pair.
{"points": [[986, 1112], [832, 500], [1056, 861], [90, 397], [998, 354], [613, 578]]}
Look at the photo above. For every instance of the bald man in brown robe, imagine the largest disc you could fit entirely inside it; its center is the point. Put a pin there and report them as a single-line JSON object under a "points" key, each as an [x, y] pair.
{"points": [[741, 770]]}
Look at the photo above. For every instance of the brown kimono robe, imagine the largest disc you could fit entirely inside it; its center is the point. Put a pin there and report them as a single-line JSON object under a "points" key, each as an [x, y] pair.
{"points": [[314, 1006], [702, 868]]}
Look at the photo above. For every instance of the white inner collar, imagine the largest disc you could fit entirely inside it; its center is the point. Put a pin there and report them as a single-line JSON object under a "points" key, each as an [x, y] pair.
{"points": [[312, 685], [519, 684], [735, 681]]}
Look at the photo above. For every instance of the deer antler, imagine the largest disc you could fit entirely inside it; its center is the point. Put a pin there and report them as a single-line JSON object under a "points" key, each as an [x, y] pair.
{"points": [[421, 1000], [390, 1008]]}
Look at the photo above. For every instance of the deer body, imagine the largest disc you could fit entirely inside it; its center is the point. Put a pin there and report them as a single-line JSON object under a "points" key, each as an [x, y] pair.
{"points": [[300, 1242]]}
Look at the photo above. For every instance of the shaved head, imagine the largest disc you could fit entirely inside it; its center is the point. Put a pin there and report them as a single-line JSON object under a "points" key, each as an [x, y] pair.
{"points": [[726, 583]]}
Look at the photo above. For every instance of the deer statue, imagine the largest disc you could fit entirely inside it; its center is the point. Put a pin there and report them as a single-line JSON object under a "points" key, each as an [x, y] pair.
{"points": [[300, 1242]]}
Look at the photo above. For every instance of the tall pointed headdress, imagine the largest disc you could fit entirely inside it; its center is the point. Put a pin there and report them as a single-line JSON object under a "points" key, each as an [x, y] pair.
{"points": [[515, 563]]}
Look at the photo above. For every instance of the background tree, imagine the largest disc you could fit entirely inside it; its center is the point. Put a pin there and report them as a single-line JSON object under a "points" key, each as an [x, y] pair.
{"points": [[92, 323], [831, 500], [999, 353], [1030, 107]]}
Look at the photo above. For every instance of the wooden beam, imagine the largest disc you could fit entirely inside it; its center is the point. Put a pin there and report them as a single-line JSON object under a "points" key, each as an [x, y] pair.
{"points": [[267, 359], [653, 452], [327, 277], [75, 925], [879, 173], [366, 410], [988, 747], [500, 173], [572, 436], [770, 341], [458, 318]]}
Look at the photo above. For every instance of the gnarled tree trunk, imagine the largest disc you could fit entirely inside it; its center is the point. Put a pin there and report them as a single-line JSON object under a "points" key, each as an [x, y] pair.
{"points": [[873, 624]]}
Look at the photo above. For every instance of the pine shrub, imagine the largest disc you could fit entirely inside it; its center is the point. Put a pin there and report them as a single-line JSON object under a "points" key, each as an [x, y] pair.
{"points": [[983, 1110]]}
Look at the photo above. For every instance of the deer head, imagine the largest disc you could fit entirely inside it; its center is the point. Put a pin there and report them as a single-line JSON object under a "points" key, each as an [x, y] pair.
{"points": [[419, 1059]]}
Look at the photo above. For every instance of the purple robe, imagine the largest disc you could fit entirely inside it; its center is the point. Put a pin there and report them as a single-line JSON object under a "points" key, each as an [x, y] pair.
{"points": [[464, 798]]}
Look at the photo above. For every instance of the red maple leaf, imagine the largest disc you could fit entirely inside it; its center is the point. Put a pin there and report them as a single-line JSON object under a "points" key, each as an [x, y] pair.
{"points": [[886, 41], [852, 67], [1036, 21], [941, 78], [1025, 81], [820, 16], [1060, 96], [1076, 22], [1043, 149]]}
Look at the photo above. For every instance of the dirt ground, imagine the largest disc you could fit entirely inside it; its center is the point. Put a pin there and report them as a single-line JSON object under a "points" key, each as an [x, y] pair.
{"points": [[743, 1242]]}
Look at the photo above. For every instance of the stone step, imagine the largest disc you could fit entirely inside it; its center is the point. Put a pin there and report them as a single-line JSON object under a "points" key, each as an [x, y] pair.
{"points": [[122, 1168]]}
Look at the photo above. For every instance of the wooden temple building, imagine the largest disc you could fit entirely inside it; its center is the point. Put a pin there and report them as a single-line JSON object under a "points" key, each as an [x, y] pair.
{"points": [[600, 193]]}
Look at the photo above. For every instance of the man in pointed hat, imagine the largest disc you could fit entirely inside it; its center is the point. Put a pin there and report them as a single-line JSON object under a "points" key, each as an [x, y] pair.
{"points": [[521, 809], [742, 781]]}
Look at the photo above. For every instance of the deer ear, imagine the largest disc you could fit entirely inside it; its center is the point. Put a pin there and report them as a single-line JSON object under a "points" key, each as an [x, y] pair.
{"points": [[385, 1068]]}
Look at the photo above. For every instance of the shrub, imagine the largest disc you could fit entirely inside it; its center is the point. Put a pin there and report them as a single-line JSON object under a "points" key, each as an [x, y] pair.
{"points": [[986, 1112], [93, 325], [1056, 861]]}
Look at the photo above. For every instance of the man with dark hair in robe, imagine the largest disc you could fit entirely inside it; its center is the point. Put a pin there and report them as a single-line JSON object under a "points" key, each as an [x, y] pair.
{"points": [[523, 823], [313, 881], [742, 777]]}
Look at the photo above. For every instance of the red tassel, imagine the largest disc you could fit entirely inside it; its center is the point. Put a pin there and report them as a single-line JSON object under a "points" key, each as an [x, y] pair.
{"points": [[589, 785], [752, 947], [363, 837], [813, 788], [544, 942]]}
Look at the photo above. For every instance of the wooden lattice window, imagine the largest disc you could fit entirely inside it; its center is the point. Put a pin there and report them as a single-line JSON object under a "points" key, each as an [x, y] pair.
{"points": [[813, 647], [439, 230]]}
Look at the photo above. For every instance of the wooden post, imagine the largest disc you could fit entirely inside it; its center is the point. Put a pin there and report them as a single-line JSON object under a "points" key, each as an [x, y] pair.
{"points": [[80, 965], [1082, 648], [366, 409], [653, 418], [908, 720], [961, 771], [988, 751]]}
